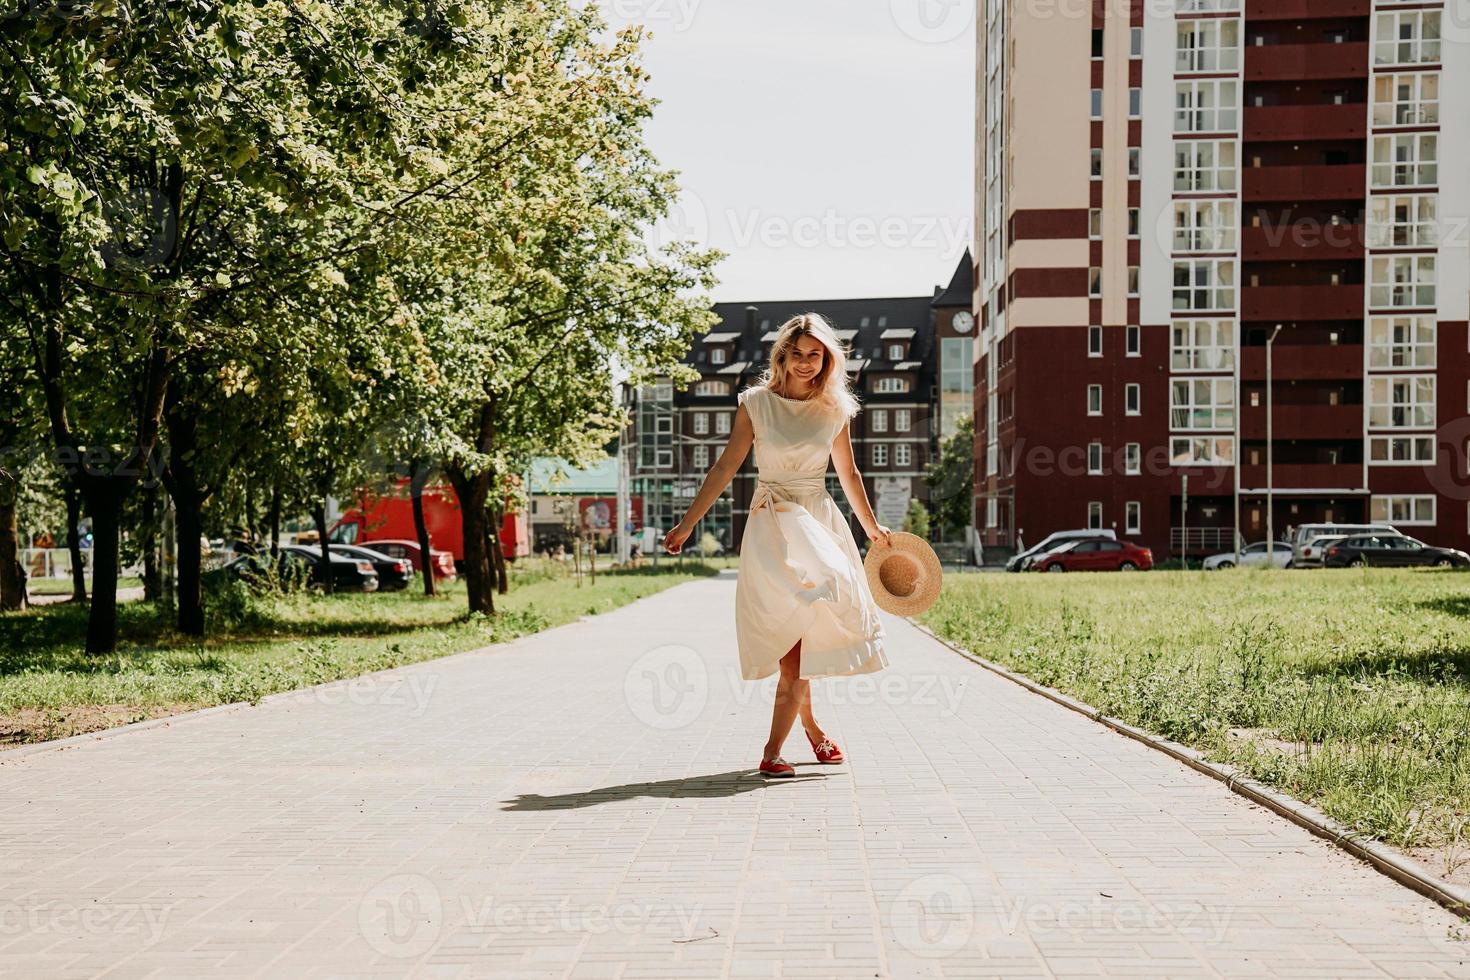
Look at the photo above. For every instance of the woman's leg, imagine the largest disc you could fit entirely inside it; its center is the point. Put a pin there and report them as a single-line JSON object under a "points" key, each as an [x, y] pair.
{"points": [[808, 718], [791, 692]]}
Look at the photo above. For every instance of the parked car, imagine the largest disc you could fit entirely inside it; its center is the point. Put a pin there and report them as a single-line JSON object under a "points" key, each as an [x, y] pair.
{"points": [[394, 574], [1390, 550], [1096, 555], [1302, 558], [1020, 561], [1310, 554], [348, 574], [442, 561], [1253, 555]]}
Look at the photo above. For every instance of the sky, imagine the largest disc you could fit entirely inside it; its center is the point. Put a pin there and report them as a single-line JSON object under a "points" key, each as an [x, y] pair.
{"points": [[825, 145]]}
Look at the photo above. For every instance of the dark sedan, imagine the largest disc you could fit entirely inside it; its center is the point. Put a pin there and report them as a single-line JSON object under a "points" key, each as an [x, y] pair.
{"points": [[348, 574], [393, 574], [1385, 550]]}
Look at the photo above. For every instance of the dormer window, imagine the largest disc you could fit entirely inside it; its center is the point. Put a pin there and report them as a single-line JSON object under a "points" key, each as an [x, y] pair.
{"points": [[895, 352], [717, 355]]}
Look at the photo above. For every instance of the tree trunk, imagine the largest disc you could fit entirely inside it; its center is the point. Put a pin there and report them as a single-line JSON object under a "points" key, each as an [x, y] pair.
{"points": [[419, 476], [275, 519], [472, 492], [497, 555], [189, 513], [74, 540], [104, 503], [148, 544], [319, 518], [12, 575]]}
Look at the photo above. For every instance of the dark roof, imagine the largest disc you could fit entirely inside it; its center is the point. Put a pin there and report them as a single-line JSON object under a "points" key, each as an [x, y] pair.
{"points": [[961, 288]]}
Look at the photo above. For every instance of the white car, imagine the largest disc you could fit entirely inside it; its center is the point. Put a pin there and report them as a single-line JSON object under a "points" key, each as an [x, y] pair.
{"points": [[1252, 555]]}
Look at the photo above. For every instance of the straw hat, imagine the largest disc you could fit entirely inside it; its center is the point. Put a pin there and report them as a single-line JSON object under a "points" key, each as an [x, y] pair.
{"points": [[904, 575]]}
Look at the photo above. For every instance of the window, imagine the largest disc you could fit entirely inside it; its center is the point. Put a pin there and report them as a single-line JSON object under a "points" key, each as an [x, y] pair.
{"points": [[880, 420], [1205, 226], [1094, 223], [1204, 284], [1402, 220], [992, 512], [1133, 521], [701, 456], [1094, 281], [712, 388], [895, 352], [1097, 103], [890, 386], [1202, 345], [1134, 222], [880, 454], [1406, 450], [1133, 340], [1401, 342], [1094, 514], [1097, 42], [701, 423], [1209, 105], [1096, 163], [1132, 399], [1206, 6], [1094, 459], [1133, 280], [1409, 99], [1094, 341], [903, 454], [901, 418], [1135, 161], [1401, 402], [1401, 281], [1132, 459], [1406, 160], [1135, 42], [722, 423], [1135, 103], [1204, 166], [717, 355], [1094, 399], [1407, 37], [1202, 403], [1207, 45], [1202, 451], [1402, 508]]}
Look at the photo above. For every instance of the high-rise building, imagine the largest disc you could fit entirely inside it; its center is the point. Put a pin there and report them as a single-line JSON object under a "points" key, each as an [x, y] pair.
{"points": [[1173, 196]]}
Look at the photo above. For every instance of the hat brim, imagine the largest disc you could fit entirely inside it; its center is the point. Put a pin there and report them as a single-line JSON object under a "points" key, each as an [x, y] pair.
{"points": [[920, 562]]}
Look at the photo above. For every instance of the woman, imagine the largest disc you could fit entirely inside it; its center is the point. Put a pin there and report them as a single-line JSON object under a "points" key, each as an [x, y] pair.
{"points": [[802, 603]]}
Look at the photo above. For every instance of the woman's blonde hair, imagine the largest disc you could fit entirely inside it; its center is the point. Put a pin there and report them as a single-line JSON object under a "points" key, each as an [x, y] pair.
{"points": [[831, 382]]}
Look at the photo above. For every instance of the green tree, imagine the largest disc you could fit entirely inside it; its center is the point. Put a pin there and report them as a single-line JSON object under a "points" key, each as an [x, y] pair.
{"points": [[951, 481], [916, 519]]}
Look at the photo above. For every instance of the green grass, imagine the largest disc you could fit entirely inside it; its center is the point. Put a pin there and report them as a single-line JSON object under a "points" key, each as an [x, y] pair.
{"points": [[1346, 688], [57, 586], [49, 687]]}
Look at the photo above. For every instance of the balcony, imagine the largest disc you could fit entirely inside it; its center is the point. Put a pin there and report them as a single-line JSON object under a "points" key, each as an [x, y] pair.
{"points": [[1299, 62], [1278, 303], [1304, 362], [1315, 183], [1304, 422], [1301, 243], [1305, 122], [1304, 476], [1306, 9]]}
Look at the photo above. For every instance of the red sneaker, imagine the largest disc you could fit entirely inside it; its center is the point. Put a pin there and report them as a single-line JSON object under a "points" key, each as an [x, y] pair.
{"points": [[777, 767], [827, 751]]}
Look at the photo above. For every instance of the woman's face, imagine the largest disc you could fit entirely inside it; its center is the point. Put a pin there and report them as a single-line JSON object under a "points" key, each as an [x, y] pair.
{"points": [[805, 359]]}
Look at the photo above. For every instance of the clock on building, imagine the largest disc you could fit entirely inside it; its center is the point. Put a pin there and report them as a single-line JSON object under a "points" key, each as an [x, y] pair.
{"points": [[963, 321]]}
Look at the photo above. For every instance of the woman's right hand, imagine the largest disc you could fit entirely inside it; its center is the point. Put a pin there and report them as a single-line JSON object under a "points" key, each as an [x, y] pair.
{"points": [[674, 540]]}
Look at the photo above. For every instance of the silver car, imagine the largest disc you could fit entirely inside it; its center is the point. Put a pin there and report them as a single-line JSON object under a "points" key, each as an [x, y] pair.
{"points": [[1252, 556]]}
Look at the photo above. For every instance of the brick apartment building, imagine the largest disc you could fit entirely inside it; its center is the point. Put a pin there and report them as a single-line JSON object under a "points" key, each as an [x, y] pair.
{"points": [[910, 364], [1160, 193]]}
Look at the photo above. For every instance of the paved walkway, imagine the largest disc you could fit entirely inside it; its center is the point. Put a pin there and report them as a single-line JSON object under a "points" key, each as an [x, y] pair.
{"points": [[580, 804]]}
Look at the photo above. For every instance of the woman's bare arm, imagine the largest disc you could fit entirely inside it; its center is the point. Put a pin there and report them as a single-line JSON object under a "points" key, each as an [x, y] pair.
{"points": [[845, 463], [737, 447]]}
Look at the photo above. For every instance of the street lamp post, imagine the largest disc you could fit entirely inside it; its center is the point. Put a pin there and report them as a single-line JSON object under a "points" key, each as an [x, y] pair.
{"points": [[1270, 452]]}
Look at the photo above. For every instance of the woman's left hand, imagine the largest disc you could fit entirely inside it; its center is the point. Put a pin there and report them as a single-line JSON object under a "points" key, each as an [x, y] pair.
{"points": [[879, 535]]}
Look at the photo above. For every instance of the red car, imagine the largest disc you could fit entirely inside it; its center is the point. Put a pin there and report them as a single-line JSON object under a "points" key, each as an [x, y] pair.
{"points": [[443, 561], [1097, 556]]}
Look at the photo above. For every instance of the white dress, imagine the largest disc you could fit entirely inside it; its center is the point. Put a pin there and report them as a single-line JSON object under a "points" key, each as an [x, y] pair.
{"points": [[801, 576]]}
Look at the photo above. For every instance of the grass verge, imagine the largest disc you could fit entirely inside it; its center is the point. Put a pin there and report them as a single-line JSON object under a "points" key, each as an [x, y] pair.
{"points": [[1349, 689], [50, 688]]}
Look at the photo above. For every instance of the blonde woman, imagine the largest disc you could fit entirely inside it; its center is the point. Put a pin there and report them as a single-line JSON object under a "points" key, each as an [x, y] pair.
{"points": [[802, 603]]}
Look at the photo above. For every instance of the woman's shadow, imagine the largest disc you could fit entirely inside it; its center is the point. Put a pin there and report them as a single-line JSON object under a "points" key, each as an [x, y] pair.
{"points": [[715, 785]]}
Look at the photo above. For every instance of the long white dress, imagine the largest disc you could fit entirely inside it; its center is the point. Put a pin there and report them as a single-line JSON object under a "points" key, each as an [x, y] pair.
{"points": [[801, 576]]}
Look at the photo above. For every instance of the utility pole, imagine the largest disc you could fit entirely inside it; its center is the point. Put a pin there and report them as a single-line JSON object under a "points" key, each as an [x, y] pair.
{"points": [[1184, 525], [1270, 452]]}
